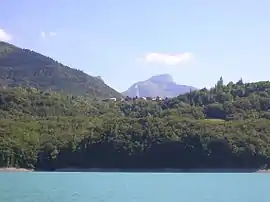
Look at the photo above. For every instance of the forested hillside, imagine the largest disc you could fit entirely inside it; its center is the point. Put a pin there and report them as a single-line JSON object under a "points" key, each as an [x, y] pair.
{"points": [[23, 67], [226, 127]]}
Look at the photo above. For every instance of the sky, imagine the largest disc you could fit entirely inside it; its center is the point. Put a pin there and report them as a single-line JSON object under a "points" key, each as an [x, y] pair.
{"points": [[128, 41]]}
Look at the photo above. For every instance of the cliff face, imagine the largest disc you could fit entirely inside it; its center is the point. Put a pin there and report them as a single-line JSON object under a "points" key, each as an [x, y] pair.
{"points": [[161, 85]]}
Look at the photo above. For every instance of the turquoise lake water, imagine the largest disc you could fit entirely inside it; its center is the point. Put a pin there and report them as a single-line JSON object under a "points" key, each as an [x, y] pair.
{"points": [[133, 187]]}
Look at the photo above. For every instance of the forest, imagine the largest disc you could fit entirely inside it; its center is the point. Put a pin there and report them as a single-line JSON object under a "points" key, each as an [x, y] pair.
{"points": [[225, 127]]}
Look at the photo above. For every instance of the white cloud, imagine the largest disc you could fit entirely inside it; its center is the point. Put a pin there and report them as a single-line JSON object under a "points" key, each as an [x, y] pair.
{"points": [[168, 59], [4, 36], [50, 34]]}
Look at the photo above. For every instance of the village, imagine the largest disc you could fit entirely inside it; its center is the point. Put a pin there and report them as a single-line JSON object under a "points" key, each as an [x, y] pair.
{"points": [[137, 97], [127, 98]]}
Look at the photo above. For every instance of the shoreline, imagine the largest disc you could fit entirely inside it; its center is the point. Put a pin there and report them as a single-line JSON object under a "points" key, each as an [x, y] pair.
{"points": [[168, 170], [13, 169], [263, 171]]}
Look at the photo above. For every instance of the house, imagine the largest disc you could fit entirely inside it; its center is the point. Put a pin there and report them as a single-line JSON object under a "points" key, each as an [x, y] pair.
{"points": [[109, 99]]}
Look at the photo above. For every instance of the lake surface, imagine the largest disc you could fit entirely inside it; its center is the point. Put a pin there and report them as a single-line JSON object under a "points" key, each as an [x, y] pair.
{"points": [[133, 187]]}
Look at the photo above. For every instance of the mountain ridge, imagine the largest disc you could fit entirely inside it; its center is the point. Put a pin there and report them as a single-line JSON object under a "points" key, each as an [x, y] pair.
{"points": [[24, 67]]}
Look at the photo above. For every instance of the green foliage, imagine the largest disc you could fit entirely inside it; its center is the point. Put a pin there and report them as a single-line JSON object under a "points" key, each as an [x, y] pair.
{"points": [[22, 67], [224, 127]]}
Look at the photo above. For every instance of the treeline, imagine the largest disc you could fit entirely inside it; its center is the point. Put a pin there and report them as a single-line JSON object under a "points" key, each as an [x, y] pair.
{"points": [[226, 127]]}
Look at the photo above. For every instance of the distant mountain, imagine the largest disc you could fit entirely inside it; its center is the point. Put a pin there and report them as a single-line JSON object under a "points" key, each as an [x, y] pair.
{"points": [[23, 67], [161, 85]]}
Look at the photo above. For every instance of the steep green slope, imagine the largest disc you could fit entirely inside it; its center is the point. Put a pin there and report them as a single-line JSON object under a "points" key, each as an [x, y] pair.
{"points": [[22, 67]]}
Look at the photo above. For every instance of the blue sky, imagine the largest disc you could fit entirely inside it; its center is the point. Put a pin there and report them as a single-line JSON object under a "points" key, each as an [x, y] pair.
{"points": [[127, 41]]}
